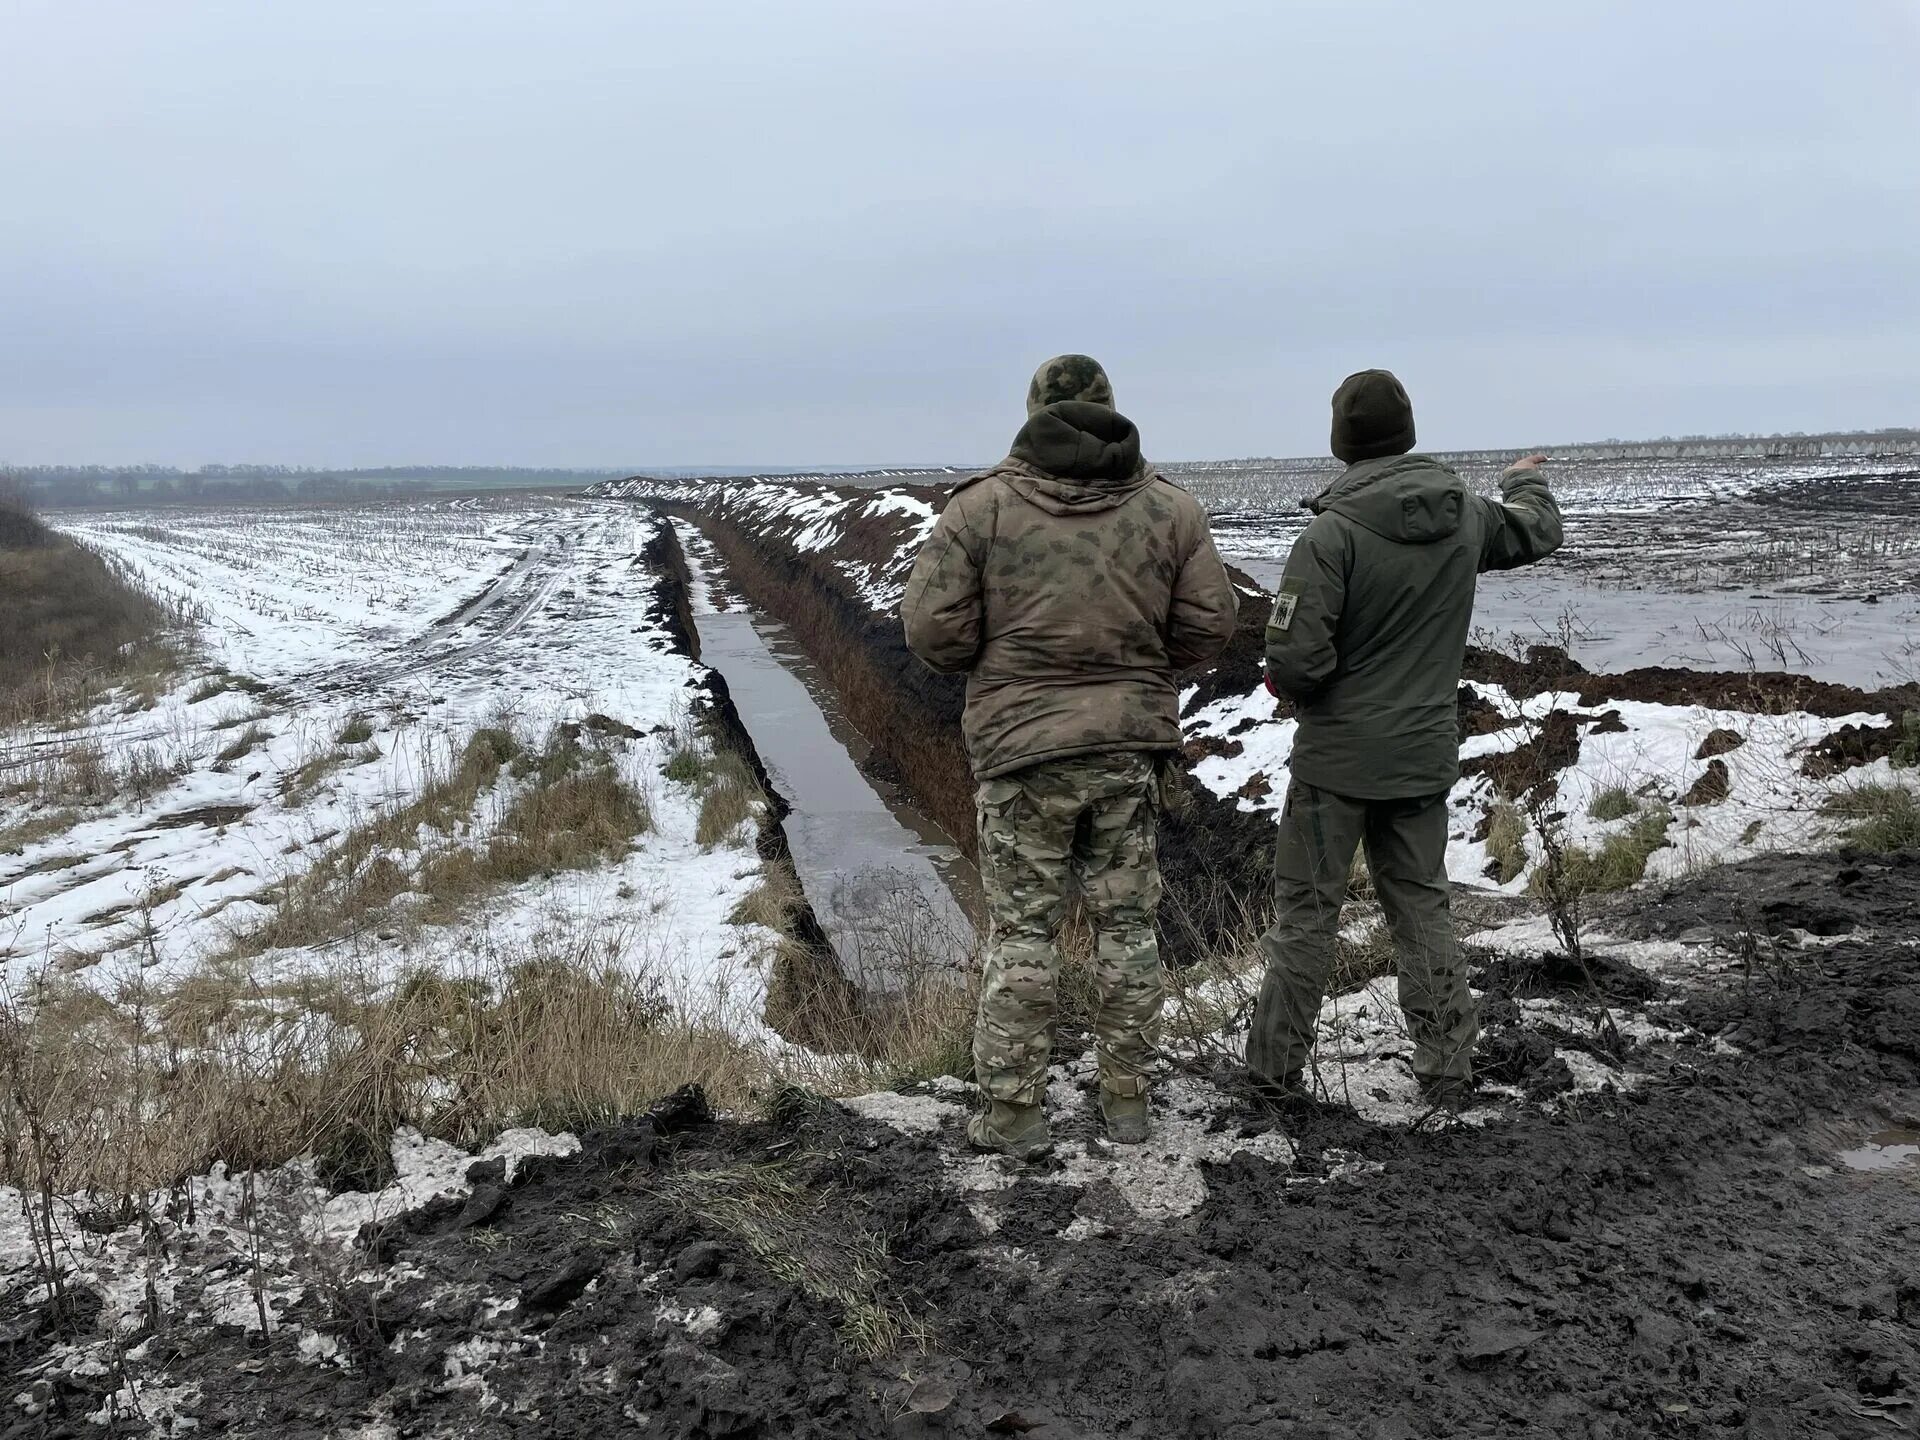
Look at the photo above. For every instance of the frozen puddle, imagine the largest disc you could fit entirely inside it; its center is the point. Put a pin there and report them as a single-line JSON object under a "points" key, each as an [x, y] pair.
{"points": [[882, 878], [1889, 1150]]}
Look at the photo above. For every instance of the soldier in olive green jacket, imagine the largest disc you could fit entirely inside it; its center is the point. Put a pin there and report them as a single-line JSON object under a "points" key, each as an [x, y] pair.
{"points": [[1069, 583], [1367, 638]]}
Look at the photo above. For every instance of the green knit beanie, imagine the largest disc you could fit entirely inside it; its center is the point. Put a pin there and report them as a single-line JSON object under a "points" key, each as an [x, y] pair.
{"points": [[1371, 417]]}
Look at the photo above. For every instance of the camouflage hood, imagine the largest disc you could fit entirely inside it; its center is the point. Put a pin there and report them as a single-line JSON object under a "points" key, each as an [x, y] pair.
{"points": [[1075, 458], [1406, 498]]}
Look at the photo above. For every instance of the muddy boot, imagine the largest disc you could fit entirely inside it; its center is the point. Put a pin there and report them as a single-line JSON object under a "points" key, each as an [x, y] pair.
{"points": [[1016, 1130], [1291, 1087], [1126, 1117]]}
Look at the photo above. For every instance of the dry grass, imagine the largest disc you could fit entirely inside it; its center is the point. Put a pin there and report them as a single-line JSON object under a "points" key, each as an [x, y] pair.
{"points": [[1619, 861], [1507, 841], [562, 807], [35, 828], [1616, 802], [298, 785], [730, 793], [805, 1240], [83, 774], [120, 1096], [729, 797], [242, 745], [76, 629], [1880, 817]]}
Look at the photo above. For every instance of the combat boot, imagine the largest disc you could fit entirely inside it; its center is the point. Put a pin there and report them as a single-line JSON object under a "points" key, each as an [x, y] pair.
{"points": [[1445, 1092], [1017, 1130], [1126, 1117], [1289, 1092]]}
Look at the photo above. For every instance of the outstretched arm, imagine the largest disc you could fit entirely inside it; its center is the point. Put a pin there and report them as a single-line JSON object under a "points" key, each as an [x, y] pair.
{"points": [[1523, 525]]}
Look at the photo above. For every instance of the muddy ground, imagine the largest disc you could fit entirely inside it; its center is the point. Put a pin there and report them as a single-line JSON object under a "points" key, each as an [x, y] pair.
{"points": [[1681, 1256]]}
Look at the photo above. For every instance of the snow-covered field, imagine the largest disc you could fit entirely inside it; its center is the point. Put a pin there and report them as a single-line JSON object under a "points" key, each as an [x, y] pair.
{"points": [[409, 626], [348, 653], [1800, 566]]}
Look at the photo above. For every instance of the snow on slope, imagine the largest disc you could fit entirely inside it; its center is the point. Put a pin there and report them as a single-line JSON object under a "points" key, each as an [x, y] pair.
{"points": [[425, 621], [876, 533], [1651, 751]]}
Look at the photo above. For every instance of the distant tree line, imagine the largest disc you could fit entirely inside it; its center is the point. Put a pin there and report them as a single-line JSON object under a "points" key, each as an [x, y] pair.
{"points": [[69, 487]]}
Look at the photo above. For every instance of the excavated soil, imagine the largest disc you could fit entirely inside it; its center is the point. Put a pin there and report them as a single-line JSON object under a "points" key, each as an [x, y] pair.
{"points": [[1681, 1257]]}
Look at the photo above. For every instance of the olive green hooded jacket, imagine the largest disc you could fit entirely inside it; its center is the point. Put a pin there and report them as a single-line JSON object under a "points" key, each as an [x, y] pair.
{"points": [[1069, 582], [1369, 626]]}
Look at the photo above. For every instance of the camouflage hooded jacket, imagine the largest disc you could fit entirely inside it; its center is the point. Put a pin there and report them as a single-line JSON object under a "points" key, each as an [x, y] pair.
{"points": [[1369, 627], [1069, 582]]}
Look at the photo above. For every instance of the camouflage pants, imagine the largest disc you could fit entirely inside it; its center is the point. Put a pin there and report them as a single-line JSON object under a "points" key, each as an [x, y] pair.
{"points": [[1091, 821], [1406, 844]]}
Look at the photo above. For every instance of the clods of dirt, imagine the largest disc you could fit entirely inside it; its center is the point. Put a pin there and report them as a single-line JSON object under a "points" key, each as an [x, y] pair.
{"points": [[211, 816], [1719, 741], [1712, 787], [1676, 1256]]}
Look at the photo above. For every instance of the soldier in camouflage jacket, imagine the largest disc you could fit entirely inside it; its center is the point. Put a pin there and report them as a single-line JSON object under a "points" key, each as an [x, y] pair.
{"points": [[1070, 583]]}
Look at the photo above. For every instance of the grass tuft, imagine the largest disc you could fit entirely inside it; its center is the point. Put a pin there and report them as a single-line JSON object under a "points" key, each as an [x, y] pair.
{"points": [[730, 797], [562, 807], [241, 745], [1882, 817], [1619, 862], [1616, 802], [1507, 841]]}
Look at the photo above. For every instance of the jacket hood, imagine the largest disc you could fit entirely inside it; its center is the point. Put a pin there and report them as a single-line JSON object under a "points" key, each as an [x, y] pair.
{"points": [[1412, 499], [1074, 458]]}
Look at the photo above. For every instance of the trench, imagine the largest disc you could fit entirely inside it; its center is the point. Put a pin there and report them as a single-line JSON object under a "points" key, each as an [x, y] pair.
{"points": [[888, 886], [1215, 859]]}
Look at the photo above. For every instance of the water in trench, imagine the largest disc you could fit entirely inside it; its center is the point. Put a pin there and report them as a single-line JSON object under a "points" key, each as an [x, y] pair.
{"points": [[889, 886]]}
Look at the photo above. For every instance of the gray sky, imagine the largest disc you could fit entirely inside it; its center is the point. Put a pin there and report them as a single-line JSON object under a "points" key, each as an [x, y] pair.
{"points": [[616, 232]]}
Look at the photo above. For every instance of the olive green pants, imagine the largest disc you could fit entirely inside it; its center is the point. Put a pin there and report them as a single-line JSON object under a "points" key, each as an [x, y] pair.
{"points": [[1406, 844]]}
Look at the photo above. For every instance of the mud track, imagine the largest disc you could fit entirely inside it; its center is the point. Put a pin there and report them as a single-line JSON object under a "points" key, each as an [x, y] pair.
{"points": [[1681, 1259]]}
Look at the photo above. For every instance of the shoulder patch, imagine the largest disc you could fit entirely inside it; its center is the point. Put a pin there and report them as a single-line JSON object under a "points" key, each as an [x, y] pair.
{"points": [[1284, 604]]}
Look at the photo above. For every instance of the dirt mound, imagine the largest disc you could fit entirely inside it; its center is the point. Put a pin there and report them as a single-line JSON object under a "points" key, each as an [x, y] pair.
{"points": [[1760, 692], [1852, 746]]}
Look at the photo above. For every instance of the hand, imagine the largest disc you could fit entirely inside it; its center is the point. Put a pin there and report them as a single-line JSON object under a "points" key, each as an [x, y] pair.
{"points": [[1527, 462]]}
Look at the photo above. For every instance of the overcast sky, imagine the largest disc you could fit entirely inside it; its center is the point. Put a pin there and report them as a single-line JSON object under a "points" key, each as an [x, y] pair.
{"points": [[614, 232]]}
